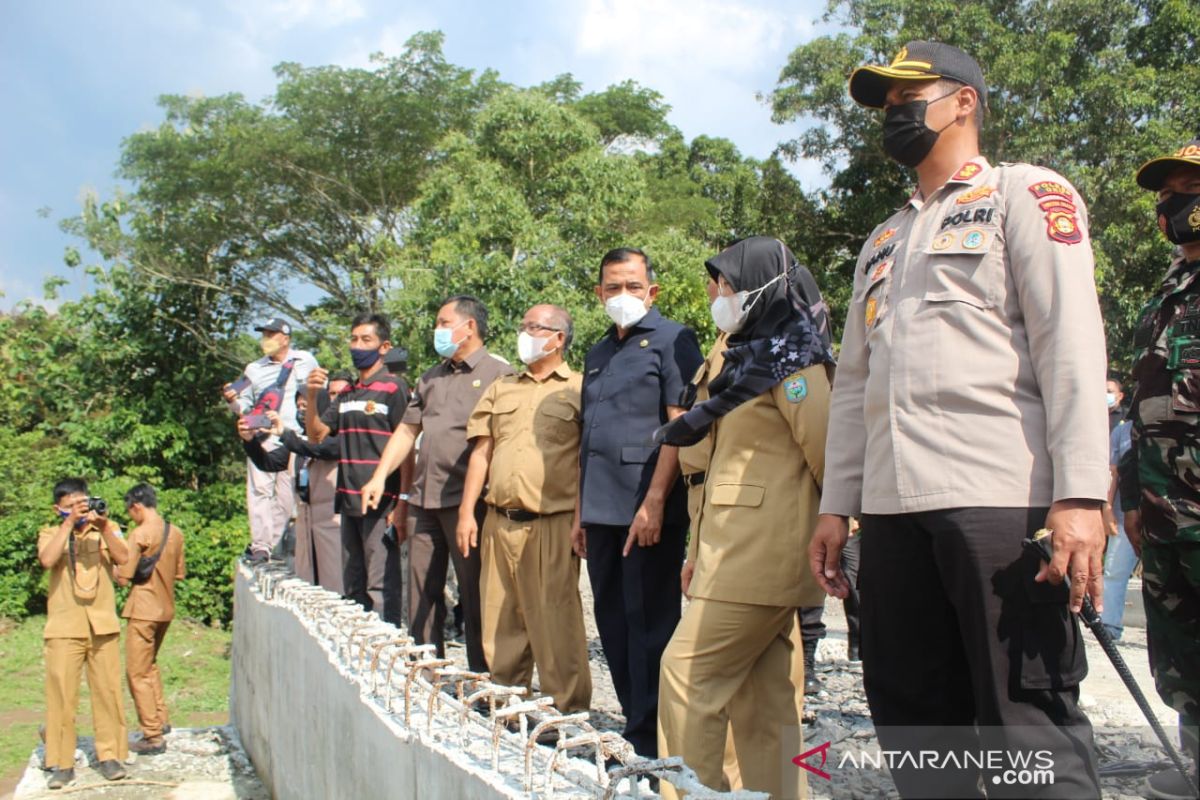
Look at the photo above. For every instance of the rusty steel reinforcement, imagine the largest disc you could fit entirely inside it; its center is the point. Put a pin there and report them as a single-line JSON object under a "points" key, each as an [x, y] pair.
{"points": [[523, 741]]}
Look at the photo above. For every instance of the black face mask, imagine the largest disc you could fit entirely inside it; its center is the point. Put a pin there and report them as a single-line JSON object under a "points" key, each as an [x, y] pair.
{"points": [[906, 137], [1179, 218]]}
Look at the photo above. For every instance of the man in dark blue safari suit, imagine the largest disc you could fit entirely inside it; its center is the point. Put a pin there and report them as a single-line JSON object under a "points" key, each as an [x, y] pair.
{"points": [[632, 520]]}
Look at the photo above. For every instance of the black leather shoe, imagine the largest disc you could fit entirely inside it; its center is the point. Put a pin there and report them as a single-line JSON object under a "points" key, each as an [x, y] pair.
{"points": [[60, 778], [111, 770]]}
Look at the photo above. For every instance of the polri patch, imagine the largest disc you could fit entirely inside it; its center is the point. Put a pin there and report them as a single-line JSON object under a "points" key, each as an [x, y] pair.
{"points": [[796, 388]]}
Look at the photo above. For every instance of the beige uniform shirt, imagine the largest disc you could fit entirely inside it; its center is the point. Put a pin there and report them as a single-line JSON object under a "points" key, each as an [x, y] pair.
{"points": [[153, 600], [535, 429], [693, 460], [762, 487], [973, 353], [75, 609]]}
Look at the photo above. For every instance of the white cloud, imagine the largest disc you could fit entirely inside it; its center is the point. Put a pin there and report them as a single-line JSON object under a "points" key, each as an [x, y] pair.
{"points": [[388, 39], [271, 16], [701, 36]]}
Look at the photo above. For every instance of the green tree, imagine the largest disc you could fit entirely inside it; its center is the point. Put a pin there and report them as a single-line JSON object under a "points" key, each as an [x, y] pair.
{"points": [[1086, 87]]}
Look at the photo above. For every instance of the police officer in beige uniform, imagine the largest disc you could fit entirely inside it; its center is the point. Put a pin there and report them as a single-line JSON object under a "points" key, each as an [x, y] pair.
{"points": [[82, 627], [525, 435], [966, 417], [765, 416]]}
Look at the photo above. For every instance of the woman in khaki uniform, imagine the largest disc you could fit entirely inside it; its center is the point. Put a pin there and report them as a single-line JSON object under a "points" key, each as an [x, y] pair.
{"points": [[764, 421]]}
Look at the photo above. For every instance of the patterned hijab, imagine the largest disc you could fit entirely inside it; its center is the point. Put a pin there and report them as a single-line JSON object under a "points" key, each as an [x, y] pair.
{"points": [[786, 330]]}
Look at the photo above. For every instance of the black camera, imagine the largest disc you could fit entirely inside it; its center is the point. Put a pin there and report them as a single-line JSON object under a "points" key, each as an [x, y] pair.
{"points": [[98, 504]]}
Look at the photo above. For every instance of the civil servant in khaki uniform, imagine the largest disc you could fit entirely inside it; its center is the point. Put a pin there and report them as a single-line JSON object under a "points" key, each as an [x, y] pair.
{"points": [[766, 416], [525, 435], [82, 627], [149, 608], [966, 416]]}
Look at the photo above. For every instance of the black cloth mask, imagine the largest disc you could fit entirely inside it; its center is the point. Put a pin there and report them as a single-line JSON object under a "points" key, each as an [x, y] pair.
{"points": [[906, 137], [1179, 218]]}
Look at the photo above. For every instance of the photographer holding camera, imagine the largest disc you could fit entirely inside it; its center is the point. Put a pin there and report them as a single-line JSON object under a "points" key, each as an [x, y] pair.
{"points": [[82, 627]]}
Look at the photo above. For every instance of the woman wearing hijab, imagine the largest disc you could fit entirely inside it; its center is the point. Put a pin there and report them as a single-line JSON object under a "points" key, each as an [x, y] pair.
{"points": [[762, 421]]}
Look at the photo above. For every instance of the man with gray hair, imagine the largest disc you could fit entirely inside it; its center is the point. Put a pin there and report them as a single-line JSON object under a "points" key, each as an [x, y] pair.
{"points": [[525, 435]]}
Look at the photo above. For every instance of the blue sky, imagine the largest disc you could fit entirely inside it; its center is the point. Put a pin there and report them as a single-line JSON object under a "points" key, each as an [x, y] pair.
{"points": [[76, 77]]}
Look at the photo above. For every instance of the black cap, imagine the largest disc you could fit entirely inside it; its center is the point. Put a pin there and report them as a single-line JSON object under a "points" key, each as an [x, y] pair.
{"points": [[1152, 174], [275, 325], [916, 61]]}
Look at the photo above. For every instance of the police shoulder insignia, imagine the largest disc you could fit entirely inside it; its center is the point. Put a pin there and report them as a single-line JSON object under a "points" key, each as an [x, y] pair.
{"points": [[971, 195], [883, 237], [796, 388], [1046, 188], [966, 172], [1061, 222]]}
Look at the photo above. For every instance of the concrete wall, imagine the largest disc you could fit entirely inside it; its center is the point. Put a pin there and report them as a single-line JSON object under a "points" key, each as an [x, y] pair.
{"points": [[309, 732]]}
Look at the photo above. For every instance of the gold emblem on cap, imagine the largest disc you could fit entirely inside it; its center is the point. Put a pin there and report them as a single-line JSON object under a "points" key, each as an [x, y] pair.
{"points": [[644, 343], [903, 54]]}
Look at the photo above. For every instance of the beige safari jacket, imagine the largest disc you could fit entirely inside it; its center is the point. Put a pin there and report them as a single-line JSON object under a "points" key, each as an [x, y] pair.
{"points": [[973, 355]]}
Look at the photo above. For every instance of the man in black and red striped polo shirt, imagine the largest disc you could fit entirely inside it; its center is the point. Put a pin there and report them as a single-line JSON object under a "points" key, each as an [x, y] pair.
{"points": [[363, 416]]}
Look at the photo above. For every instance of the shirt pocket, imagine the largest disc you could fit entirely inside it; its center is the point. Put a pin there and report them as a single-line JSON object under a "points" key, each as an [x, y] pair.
{"points": [[505, 418], [737, 494], [556, 423], [964, 266]]}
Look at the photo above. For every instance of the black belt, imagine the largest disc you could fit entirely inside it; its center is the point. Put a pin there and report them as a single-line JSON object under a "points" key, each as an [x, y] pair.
{"points": [[695, 479], [516, 514]]}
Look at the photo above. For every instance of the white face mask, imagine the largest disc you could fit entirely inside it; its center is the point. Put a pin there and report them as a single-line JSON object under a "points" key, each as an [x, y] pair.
{"points": [[1112, 400], [532, 348], [625, 310], [729, 311]]}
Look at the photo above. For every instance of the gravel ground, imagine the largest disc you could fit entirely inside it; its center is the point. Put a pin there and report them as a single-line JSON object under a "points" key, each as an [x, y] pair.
{"points": [[200, 764]]}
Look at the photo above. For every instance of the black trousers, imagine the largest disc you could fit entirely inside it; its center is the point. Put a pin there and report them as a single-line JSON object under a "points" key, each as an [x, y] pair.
{"points": [[638, 602], [432, 545], [370, 568], [956, 634], [812, 627]]}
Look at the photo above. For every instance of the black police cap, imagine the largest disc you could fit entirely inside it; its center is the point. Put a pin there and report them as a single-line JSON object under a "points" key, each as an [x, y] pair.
{"points": [[916, 61]]}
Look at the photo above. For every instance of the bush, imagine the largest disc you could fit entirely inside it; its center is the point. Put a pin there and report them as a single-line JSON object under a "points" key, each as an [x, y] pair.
{"points": [[212, 518]]}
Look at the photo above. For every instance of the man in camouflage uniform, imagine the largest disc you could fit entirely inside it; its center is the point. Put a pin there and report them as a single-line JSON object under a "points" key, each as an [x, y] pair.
{"points": [[1161, 479]]}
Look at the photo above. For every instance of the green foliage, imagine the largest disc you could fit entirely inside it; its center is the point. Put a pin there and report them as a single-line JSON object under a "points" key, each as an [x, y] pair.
{"points": [[1090, 88], [212, 519]]}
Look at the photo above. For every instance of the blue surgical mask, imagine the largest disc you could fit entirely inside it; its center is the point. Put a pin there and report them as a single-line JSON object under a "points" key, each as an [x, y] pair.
{"points": [[364, 359], [443, 340], [1112, 400], [79, 523]]}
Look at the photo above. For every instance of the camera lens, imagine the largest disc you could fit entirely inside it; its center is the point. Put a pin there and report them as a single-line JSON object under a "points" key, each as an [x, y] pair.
{"points": [[98, 504]]}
